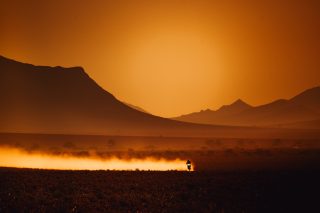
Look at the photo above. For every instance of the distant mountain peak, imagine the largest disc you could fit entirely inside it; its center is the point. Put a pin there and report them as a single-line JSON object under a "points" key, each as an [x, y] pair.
{"points": [[239, 102], [238, 105]]}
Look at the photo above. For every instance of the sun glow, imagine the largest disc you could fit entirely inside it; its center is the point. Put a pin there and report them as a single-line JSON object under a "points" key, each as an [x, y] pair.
{"points": [[12, 157]]}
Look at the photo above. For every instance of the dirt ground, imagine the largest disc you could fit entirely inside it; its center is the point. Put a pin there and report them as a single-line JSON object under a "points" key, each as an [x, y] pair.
{"points": [[27, 190]]}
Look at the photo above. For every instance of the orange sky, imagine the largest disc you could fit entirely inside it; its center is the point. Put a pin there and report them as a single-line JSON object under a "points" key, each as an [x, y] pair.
{"points": [[173, 57]]}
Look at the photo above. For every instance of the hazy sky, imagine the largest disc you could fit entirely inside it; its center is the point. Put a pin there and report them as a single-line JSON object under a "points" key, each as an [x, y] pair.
{"points": [[173, 57]]}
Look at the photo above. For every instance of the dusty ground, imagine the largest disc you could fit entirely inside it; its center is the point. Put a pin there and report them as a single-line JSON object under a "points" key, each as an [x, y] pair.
{"points": [[26, 190]]}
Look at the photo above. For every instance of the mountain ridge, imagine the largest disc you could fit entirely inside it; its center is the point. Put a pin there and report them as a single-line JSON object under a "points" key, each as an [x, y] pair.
{"points": [[60, 89], [301, 108], [57, 100]]}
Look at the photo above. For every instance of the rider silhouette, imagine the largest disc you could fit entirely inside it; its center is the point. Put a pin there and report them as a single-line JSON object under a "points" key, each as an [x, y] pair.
{"points": [[188, 165]]}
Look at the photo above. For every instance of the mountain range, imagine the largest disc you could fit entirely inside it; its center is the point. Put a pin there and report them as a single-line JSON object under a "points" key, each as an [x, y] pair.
{"points": [[301, 111], [58, 100]]}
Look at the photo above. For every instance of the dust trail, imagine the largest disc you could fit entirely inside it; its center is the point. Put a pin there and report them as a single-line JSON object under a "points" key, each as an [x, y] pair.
{"points": [[12, 157]]}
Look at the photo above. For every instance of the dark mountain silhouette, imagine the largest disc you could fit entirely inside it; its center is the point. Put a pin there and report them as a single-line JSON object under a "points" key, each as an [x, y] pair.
{"points": [[235, 107], [220, 116], [64, 100], [42, 99], [57, 100], [301, 108], [309, 98], [135, 107]]}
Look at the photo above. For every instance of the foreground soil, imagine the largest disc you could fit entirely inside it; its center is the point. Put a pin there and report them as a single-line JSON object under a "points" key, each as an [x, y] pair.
{"points": [[28, 190]]}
